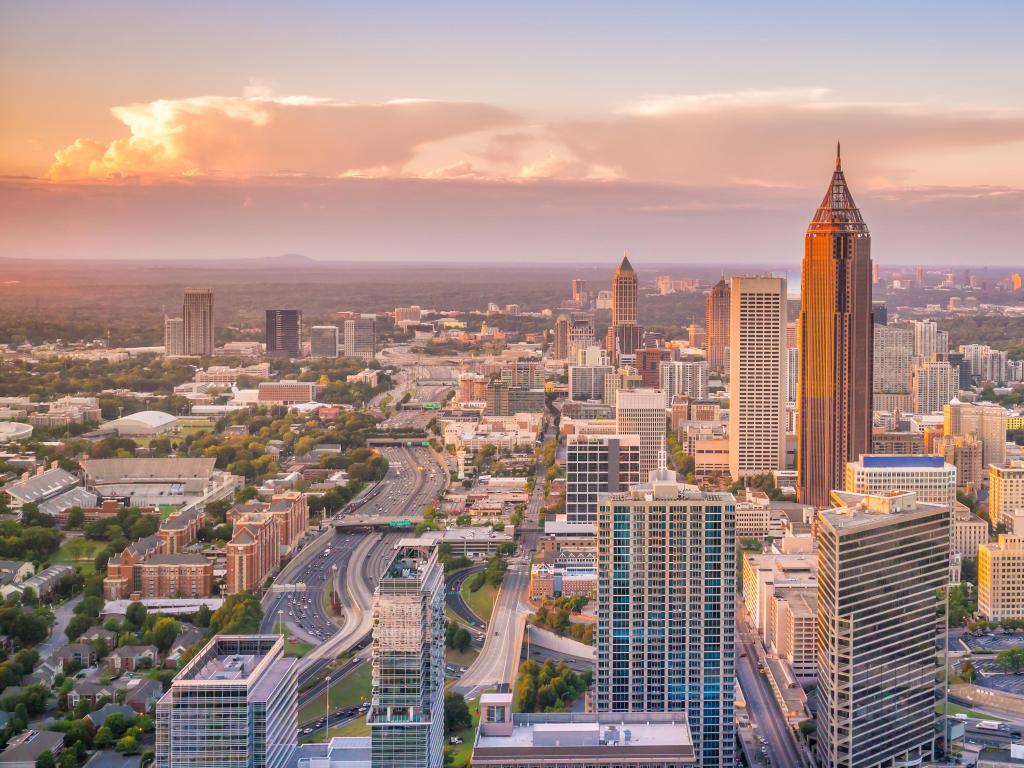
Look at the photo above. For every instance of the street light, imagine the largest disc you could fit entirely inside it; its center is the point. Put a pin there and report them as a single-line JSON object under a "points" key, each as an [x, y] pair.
{"points": [[280, 622], [327, 726]]}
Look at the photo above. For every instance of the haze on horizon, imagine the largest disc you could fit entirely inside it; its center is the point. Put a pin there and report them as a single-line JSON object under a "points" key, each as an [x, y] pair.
{"points": [[528, 133]]}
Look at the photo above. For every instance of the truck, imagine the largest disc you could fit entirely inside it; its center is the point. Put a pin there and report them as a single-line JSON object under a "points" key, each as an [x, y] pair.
{"points": [[988, 725]]}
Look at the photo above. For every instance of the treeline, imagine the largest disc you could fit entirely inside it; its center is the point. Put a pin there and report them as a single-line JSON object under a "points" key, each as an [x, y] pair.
{"points": [[547, 687]]}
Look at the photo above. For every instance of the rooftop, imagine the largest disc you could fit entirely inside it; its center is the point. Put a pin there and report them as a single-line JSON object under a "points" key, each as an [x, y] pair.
{"points": [[893, 461], [43, 486], [855, 509]]}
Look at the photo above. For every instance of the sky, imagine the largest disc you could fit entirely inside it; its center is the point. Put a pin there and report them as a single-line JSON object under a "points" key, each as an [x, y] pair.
{"points": [[685, 132]]}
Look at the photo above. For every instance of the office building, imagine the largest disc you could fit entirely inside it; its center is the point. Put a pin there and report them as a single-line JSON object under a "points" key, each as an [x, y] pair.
{"points": [[581, 335], [234, 705], [405, 316], [764, 574], [934, 386], [560, 345], [757, 375], [986, 421], [523, 374], [283, 333], [792, 374], [197, 319], [716, 323], [579, 291], [695, 336], [893, 361], [287, 392], [1006, 496], [881, 560], [174, 337], [619, 381], [586, 382], [999, 578], [406, 714], [793, 615], [360, 338], [879, 311], [624, 333], [647, 363], [929, 342], [969, 533], [665, 628], [642, 412], [683, 378], [597, 464], [930, 477], [965, 454], [835, 343], [323, 341]]}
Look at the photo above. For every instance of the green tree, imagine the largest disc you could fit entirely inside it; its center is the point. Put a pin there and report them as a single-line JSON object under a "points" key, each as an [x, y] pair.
{"points": [[1011, 659], [165, 629], [45, 760], [135, 615], [456, 712]]}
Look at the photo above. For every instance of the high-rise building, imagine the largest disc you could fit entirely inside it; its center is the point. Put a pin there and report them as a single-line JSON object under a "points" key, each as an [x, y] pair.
{"points": [[323, 341], [930, 477], [523, 373], [597, 464], [757, 375], [999, 568], [647, 363], [642, 412], [406, 714], [881, 559], [586, 382], [879, 312], [666, 608], [716, 323], [408, 315], [579, 290], [929, 341], [623, 334], [835, 343], [792, 374], [934, 386], [174, 337], [284, 333], [893, 360], [1006, 496], [581, 335], [695, 336], [360, 339], [197, 315], [683, 377], [560, 346], [234, 704], [986, 421]]}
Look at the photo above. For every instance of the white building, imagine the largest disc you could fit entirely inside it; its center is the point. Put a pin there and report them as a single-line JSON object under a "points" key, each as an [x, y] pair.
{"points": [[930, 477], [683, 377], [642, 412], [935, 384]]}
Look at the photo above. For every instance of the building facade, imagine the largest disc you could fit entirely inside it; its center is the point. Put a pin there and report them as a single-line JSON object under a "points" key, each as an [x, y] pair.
{"points": [[642, 412], [597, 464], [323, 341], [934, 385], [836, 355], [197, 318], [283, 336], [999, 576], [174, 337], [683, 377], [1006, 496], [716, 322], [360, 339], [624, 335], [930, 477]]}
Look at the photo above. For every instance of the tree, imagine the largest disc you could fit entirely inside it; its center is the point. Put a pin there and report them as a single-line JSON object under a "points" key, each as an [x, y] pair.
{"points": [[45, 760], [76, 519], [135, 615], [78, 624], [202, 618], [456, 712], [1011, 659], [127, 746], [163, 633]]}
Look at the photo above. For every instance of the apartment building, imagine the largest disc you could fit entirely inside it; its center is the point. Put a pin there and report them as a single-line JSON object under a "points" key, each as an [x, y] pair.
{"points": [[1006, 496], [1000, 576]]}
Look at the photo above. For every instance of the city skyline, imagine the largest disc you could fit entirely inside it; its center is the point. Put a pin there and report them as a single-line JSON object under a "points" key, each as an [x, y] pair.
{"points": [[462, 156]]}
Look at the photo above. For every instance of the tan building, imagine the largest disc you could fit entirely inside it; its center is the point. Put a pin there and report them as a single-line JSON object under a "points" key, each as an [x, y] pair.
{"points": [[717, 325], [986, 421], [1000, 578], [792, 619], [969, 533], [763, 574], [197, 321], [753, 521], [1006, 496], [642, 412], [963, 452]]}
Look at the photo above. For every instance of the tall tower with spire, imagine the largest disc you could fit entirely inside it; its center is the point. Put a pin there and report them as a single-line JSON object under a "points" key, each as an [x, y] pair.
{"points": [[624, 334], [835, 339]]}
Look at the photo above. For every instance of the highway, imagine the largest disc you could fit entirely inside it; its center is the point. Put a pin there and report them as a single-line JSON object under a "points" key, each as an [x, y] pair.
{"points": [[453, 597], [414, 480], [761, 705]]}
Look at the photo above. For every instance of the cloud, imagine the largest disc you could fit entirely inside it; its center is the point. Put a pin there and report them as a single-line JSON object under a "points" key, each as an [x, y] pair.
{"points": [[260, 134]]}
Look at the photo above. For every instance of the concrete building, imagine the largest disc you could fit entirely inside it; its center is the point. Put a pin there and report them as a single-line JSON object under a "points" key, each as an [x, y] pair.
{"points": [[560, 344], [642, 412], [764, 574], [969, 533], [792, 374], [579, 739], [234, 705], [174, 336], [597, 464], [406, 714], [894, 360], [197, 319], [793, 614], [986, 421], [934, 385], [687, 378], [930, 477], [965, 454], [881, 560], [648, 362], [283, 336], [1006, 496], [929, 341], [757, 375], [1000, 566], [360, 338], [287, 392], [44, 486], [717, 324], [586, 382], [666, 549]]}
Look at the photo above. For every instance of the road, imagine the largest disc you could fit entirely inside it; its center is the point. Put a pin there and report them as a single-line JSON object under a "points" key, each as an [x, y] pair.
{"points": [[414, 480], [761, 705], [57, 638]]}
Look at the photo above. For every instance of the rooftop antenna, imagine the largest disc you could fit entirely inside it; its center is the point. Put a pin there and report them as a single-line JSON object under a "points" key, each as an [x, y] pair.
{"points": [[839, 160]]}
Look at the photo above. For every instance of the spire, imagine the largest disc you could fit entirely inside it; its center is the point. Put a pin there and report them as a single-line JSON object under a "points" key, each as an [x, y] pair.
{"points": [[838, 212], [624, 265], [839, 158]]}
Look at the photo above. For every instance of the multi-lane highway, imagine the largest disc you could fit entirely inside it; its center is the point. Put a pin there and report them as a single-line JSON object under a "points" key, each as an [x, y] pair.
{"points": [[414, 480]]}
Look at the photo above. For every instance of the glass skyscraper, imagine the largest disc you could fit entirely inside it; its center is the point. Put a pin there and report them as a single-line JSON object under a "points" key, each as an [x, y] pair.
{"points": [[666, 608]]}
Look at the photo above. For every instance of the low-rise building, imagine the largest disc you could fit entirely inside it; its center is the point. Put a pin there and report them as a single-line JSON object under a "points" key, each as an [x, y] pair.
{"points": [[763, 574], [969, 532], [24, 749], [287, 392], [128, 658]]}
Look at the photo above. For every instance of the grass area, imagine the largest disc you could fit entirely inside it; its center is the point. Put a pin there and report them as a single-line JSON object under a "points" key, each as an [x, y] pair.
{"points": [[457, 755], [357, 727], [462, 658], [482, 601], [297, 649], [166, 510], [955, 709], [79, 552], [350, 691]]}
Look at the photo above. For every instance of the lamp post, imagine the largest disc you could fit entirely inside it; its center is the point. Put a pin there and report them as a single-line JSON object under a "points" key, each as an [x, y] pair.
{"points": [[327, 725], [280, 622]]}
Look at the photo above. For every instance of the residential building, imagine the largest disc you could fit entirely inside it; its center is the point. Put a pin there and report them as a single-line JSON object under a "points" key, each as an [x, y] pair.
{"points": [[893, 360], [688, 378], [881, 560], [965, 454], [793, 617], [835, 343], [1006, 496], [323, 341], [648, 362], [197, 319], [253, 552], [360, 338], [764, 574], [666, 549], [934, 385], [969, 533], [902, 443], [174, 336], [929, 342], [986, 421], [757, 375], [234, 705], [1000, 565], [560, 344], [642, 412], [620, 380], [406, 714], [581, 335], [717, 324], [597, 464], [586, 382], [523, 373], [129, 658], [930, 477], [792, 374], [25, 749]]}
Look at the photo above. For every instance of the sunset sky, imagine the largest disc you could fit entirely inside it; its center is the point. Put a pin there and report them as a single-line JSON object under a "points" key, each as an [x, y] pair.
{"points": [[529, 131]]}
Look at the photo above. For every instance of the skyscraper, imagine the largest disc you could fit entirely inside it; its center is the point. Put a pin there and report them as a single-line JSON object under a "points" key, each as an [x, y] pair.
{"points": [[624, 334], [642, 412], [406, 714], [579, 290], [986, 421], [197, 314], [234, 704], [835, 343], [666, 617], [757, 375], [683, 377], [361, 338], [893, 360], [323, 341], [284, 333], [881, 560], [596, 464], [560, 345], [716, 323], [934, 385], [174, 336], [929, 341]]}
